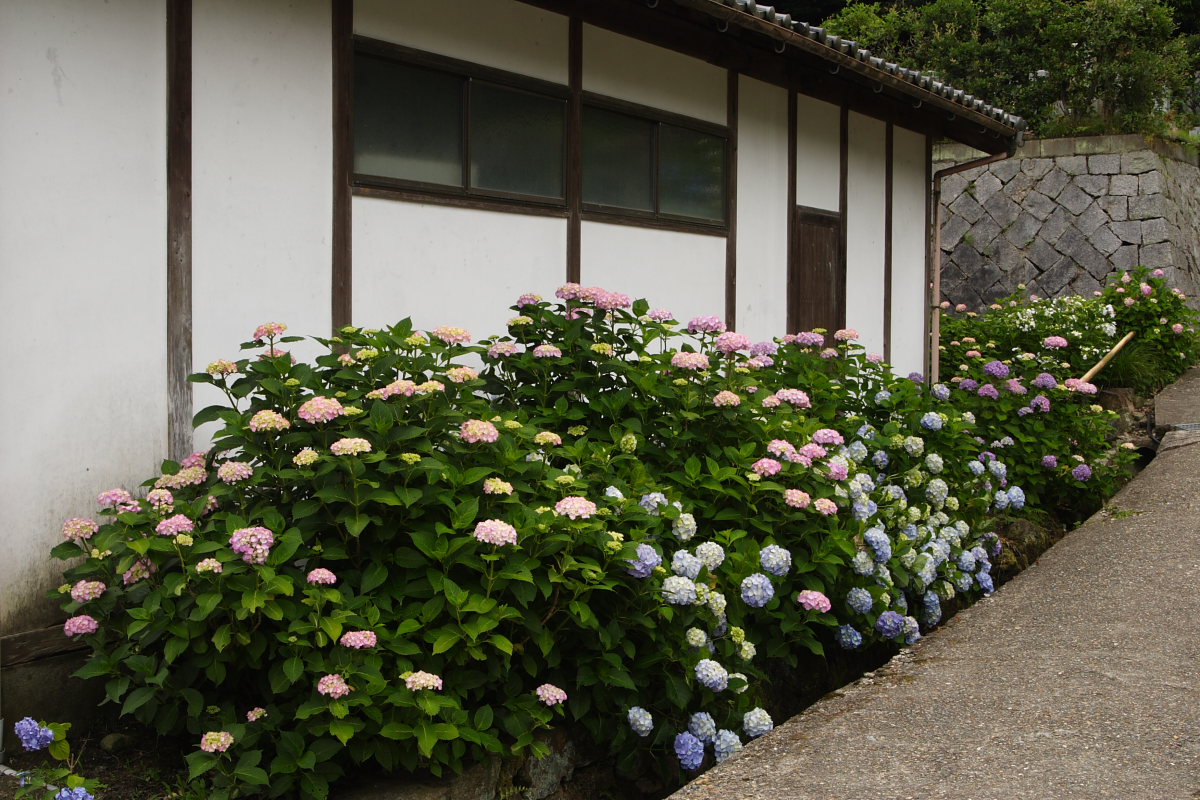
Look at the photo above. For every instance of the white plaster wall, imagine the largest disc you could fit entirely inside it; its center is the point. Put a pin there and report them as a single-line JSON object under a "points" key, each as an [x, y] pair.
{"points": [[262, 154], [82, 274], [443, 265], [762, 209], [496, 33], [909, 238], [683, 272], [629, 69], [865, 210], [818, 154]]}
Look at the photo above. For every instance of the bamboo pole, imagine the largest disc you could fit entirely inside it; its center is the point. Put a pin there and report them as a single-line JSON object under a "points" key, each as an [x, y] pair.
{"points": [[1091, 373]]}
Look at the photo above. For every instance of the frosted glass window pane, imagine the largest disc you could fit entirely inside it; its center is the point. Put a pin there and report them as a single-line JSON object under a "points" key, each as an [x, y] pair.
{"points": [[407, 122], [516, 141], [617, 160], [691, 173]]}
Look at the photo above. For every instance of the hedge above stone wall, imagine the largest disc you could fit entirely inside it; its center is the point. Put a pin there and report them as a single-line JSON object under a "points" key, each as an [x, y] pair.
{"points": [[1062, 213]]}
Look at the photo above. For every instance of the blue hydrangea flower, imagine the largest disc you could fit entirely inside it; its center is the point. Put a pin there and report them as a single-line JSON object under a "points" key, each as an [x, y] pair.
{"points": [[966, 561], [940, 391], [1000, 500], [685, 564], [856, 451], [679, 591], [702, 726], [964, 582], [932, 421], [647, 559], [901, 602], [651, 502], [993, 541], [775, 560], [757, 590], [848, 637], [863, 563], [880, 459], [936, 491], [909, 532], [912, 630], [998, 470], [1016, 498], [985, 582], [890, 624], [711, 554], [882, 396], [614, 493], [640, 721], [32, 735], [975, 467], [756, 722], [863, 510], [878, 540], [78, 793], [726, 744], [932, 608], [860, 600], [690, 751], [934, 463], [865, 431], [684, 527], [712, 675]]}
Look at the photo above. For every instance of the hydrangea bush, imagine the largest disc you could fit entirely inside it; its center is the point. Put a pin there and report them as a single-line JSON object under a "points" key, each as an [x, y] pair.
{"points": [[419, 550]]}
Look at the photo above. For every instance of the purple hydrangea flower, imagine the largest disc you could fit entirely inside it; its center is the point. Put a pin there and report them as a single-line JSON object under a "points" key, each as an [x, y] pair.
{"points": [[997, 369], [984, 580], [1045, 381], [860, 600], [1050, 462], [647, 559], [988, 391], [940, 391], [690, 751], [757, 590], [775, 560], [890, 624], [32, 735], [969, 385], [1082, 472], [848, 637]]}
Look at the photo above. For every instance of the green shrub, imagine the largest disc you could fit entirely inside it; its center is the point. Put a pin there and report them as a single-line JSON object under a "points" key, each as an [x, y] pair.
{"points": [[391, 557]]}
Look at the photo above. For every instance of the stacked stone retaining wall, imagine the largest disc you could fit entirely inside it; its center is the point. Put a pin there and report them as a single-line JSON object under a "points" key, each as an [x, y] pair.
{"points": [[1062, 213]]}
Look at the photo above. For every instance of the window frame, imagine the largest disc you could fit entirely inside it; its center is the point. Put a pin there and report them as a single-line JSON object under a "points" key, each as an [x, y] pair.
{"points": [[463, 195], [657, 218]]}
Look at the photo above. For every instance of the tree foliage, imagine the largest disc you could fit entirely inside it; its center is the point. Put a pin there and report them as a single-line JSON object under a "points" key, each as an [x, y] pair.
{"points": [[1068, 67]]}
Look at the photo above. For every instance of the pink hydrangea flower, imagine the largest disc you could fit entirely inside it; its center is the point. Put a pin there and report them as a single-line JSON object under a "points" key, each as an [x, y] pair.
{"points": [[255, 714], [726, 398], [825, 506], [221, 367], [350, 447], [402, 387], [321, 409], [575, 507], [695, 361], [216, 741], [478, 430], [973, 354], [660, 314], [796, 498], [795, 397], [234, 471], [780, 447], [829, 352], [875, 358], [944, 304], [77, 626], [1177, 327], [827, 436], [528, 299], [320, 575], [706, 324], [253, 543], [813, 601], [188, 476], [812, 451], [1146, 290], [550, 694], [961, 307], [173, 526], [114, 497], [547, 438], [142, 568], [305, 457], [846, 335], [731, 342], [1054, 342], [161, 500], [1014, 385], [451, 334], [838, 470], [334, 686], [612, 300], [429, 387], [267, 420], [771, 401], [767, 467], [358, 639], [210, 565], [78, 528], [422, 680], [495, 532], [546, 351], [568, 291], [83, 591], [1076, 385], [275, 352], [497, 486], [1129, 301], [461, 374], [269, 330], [810, 339], [501, 349]]}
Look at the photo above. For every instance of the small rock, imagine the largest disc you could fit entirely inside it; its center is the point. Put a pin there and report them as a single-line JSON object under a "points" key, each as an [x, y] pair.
{"points": [[115, 743]]}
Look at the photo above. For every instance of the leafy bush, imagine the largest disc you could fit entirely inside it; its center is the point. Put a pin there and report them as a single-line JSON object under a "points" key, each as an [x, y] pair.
{"points": [[391, 556]]}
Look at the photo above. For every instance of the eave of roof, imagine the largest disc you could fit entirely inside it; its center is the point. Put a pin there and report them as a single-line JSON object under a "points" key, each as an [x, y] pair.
{"points": [[845, 53]]}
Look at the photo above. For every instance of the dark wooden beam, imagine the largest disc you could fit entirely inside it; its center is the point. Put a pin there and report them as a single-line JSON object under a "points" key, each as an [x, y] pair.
{"points": [[843, 201], [574, 148], [889, 152], [731, 156], [341, 290], [792, 133], [20, 648], [179, 227]]}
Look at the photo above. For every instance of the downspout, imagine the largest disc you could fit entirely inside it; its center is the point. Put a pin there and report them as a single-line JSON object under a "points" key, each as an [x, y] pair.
{"points": [[935, 291]]}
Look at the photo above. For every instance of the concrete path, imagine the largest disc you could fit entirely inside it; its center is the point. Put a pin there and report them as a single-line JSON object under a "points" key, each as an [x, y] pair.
{"points": [[1077, 680]]}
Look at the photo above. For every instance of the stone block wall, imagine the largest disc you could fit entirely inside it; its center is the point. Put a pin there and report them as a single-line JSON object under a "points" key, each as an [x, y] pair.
{"points": [[1063, 213]]}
